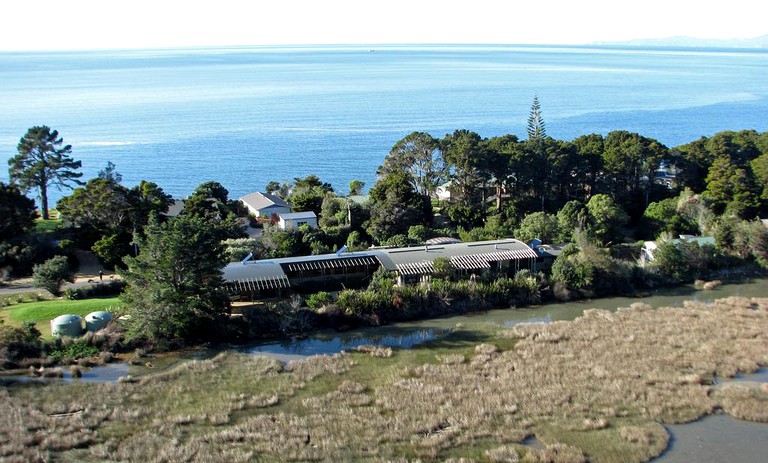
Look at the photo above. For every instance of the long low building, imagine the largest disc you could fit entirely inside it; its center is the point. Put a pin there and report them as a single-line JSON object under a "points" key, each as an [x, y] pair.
{"points": [[254, 279]]}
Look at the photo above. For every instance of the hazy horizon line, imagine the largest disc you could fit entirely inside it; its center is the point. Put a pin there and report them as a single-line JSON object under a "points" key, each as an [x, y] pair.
{"points": [[372, 45]]}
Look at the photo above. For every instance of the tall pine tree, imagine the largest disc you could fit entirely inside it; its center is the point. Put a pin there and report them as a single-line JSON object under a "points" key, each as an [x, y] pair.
{"points": [[536, 127], [42, 162]]}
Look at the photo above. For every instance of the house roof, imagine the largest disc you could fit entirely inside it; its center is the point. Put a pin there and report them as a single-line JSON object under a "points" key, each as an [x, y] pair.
{"points": [[175, 208], [298, 215], [260, 201], [407, 261], [471, 255], [700, 240]]}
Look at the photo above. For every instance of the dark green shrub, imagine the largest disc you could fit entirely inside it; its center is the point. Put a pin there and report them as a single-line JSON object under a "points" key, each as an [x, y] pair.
{"points": [[75, 350], [683, 262], [319, 300], [382, 279], [52, 274], [107, 289], [18, 343], [21, 256]]}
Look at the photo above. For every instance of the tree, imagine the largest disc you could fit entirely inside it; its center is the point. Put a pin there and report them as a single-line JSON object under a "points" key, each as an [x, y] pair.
{"points": [[356, 187], [744, 239], [210, 202], [560, 174], [732, 188], [395, 207], [101, 207], [536, 128], [545, 153], [589, 270], [278, 243], [149, 200], [499, 153], [418, 154], [759, 167], [308, 193], [419, 234], [571, 219], [514, 167], [629, 160], [539, 225], [278, 189], [174, 286], [43, 162], [660, 217], [52, 274], [465, 154], [693, 161], [590, 150], [682, 261], [110, 173], [17, 212], [605, 220]]}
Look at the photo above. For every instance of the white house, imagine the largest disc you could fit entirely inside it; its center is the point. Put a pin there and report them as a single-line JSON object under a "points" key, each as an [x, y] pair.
{"points": [[293, 220], [265, 204], [646, 253]]}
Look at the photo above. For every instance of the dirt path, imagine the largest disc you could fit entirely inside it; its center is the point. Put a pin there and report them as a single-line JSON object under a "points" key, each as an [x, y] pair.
{"points": [[87, 274]]}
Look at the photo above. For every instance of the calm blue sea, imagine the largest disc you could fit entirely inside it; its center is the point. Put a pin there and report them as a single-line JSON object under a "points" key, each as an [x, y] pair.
{"points": [[245, 116]]}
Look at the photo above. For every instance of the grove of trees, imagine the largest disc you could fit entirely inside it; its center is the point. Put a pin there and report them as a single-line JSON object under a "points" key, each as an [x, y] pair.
{"points": [[598, 194]]}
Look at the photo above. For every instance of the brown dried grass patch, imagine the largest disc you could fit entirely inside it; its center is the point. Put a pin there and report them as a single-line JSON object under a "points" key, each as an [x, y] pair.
{"points": [[596, 386], [744, 400]]}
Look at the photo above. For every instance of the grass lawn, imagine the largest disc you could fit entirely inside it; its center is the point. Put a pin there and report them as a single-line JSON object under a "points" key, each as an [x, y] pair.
{"points": [[47, 226], [42, 312]]}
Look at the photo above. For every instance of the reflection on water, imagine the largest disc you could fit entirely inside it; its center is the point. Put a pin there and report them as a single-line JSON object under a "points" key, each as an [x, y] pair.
{"points": [[102, 374], [324, 343]]}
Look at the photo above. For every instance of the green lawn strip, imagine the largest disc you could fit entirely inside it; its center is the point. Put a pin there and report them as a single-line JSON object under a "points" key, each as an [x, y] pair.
{"points": [[42, 312], [47, 226]]}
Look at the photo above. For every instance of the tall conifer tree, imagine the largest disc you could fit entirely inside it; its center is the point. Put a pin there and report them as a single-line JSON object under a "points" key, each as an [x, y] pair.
{"points": [[42, 162], [536, 128]]}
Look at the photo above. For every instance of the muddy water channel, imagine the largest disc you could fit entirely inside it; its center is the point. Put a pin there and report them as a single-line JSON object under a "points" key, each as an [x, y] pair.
{"points": [[407, 334]]}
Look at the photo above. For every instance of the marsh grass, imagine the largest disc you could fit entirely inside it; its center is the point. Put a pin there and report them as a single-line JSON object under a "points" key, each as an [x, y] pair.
{"points": [[745, 400], [596, 388]]}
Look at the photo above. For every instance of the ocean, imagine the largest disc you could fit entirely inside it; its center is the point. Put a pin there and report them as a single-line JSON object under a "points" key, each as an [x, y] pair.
{"points": [[248, 115]]}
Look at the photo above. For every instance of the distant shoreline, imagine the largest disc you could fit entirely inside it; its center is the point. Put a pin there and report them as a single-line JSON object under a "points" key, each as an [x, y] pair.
{"points": [[677, 43]]}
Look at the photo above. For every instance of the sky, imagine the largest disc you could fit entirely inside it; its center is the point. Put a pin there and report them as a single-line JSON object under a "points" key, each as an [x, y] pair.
{"points": [[115, 24]]}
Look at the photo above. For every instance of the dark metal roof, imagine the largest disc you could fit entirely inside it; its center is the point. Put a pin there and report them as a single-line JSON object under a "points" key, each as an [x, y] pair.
{"points": [[339, 262], [407, 261]]}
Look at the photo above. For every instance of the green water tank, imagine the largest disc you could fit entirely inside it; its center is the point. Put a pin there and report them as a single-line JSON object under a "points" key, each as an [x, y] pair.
{"points": [[95, 321], [67, 325]]}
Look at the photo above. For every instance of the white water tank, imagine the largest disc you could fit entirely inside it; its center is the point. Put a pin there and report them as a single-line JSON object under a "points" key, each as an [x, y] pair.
{"points": [[95, 321], [67, 325]]}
